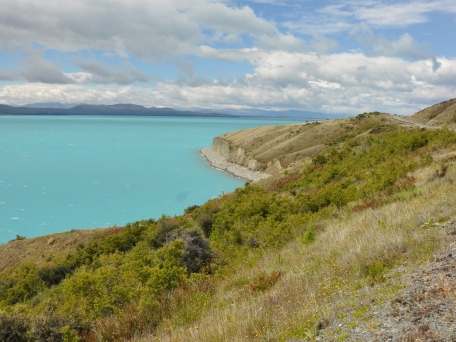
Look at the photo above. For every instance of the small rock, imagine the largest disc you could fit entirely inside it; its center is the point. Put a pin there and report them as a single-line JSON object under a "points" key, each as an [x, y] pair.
{"points": [[51, 241]]}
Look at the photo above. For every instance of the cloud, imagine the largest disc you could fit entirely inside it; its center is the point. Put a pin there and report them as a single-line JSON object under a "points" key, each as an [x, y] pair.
{"points": [[6, 76], [381, 14], [219, 17], [279, 41], [99, 73], [405, 46], [287, 69], [186, 66], [146, 29], [37, 69], [234, 55], [322, 44], [401, 14], [149, 30], [337, 83]]}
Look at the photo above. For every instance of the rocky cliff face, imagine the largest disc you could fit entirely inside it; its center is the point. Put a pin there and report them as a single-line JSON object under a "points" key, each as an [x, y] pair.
{"points": [[237, 155]]}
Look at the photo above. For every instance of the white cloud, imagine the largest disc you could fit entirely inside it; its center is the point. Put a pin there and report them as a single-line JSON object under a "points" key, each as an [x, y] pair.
{"points": [[99, 73], [288, 71], [325, 84], [219, 17], [337, 83], [37, 69], [279, 41], [398, 14], [146, 29], [401, 14], [405, 46], [380, 13]]}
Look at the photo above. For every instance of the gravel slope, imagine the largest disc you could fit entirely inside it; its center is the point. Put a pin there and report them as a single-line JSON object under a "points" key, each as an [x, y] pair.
{"points": [[423, 310]]}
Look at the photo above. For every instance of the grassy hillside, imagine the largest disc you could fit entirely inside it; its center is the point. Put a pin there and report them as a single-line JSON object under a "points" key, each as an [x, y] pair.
{"points": [[441, 114], [293, 143], [273, 261]]}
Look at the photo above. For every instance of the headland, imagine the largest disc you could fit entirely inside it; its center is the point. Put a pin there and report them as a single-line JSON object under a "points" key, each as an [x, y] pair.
{"points": [[219, 162]]}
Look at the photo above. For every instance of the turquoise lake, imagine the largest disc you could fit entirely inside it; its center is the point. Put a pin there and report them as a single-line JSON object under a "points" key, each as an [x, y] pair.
{"points": [[74, 172]]}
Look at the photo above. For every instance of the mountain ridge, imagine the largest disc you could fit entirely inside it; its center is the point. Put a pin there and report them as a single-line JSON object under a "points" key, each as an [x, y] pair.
{"points": [[112, 110]]}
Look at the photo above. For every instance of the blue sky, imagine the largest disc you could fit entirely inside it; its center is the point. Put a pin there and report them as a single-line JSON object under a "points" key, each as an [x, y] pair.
{"points": [[326, 56]]}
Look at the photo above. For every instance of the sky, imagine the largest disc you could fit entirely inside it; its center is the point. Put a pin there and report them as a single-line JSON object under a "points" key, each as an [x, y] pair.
{"points": [[329, 56]]}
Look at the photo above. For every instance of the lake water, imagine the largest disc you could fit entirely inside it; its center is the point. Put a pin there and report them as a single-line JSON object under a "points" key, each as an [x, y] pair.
{"points": [[62, 173]]}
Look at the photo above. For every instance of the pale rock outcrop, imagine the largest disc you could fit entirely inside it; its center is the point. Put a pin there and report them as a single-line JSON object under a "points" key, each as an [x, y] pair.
{"points": [[237, 155]]}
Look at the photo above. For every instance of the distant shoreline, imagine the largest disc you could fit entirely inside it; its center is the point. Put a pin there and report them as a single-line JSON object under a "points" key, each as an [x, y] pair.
{"points": [[217, 161]]}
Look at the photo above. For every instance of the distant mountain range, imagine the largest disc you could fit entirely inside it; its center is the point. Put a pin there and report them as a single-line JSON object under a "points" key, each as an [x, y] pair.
{"points": [[58, 108], [52, 105], [117, 109]]}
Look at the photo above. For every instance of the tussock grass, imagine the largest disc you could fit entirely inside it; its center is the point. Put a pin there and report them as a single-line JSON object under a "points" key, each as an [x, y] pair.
{"points": [[334, 272], [42, 249]]}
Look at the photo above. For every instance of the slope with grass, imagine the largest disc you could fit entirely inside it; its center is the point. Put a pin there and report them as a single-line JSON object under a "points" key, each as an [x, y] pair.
{"points": [[280, 260], [441, 114], [271, 149]]}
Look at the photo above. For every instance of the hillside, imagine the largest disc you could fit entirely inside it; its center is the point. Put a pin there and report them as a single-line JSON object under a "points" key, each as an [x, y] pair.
{"points": [[319, 251], [441, 114], [271, 149]]}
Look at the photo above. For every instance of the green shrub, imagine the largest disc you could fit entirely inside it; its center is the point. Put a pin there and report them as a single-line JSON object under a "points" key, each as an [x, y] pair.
{"points": [[166, 227], [205, 222], [309, 237], [376, 272], [319, 159], [54, 274], [20, 284], [191, 209]]}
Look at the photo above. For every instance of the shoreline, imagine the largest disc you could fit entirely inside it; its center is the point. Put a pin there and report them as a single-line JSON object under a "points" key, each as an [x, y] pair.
{"points": [[218, 162]]}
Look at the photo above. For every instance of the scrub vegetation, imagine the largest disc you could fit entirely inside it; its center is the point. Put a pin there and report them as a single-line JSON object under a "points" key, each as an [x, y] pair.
{"points": [[272, 261]]}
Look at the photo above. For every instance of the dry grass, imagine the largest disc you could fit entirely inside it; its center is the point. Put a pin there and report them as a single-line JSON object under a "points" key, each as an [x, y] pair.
{"points": [[441, 114], [291, 143], [44, 248], [319, 279]]}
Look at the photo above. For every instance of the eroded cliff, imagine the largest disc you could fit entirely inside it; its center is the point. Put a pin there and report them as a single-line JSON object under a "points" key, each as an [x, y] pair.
{"points": [[271, 149]]}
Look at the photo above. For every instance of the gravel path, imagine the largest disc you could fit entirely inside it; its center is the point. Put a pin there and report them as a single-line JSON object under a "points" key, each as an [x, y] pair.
{"points": [[219, 162], [424, 310], [398, 118]]}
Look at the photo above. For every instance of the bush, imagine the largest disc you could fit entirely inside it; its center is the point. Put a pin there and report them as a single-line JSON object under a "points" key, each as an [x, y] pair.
{"points": [[197, 253], [164, 232], [17, 327], [13, 327], [319, 159], [20, 284], [53, 275], [191, 209], [205, 222]]}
